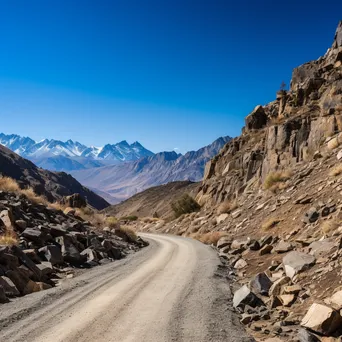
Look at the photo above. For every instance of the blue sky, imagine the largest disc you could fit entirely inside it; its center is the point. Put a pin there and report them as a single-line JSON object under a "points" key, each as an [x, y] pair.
{"points": [[168, 73]]}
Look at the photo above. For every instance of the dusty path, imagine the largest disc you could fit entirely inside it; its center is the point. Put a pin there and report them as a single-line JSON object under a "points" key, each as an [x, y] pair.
{"points": [[166, 292]]}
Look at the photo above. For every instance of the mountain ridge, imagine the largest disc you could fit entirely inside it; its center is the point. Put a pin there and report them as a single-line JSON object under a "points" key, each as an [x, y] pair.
{"points": [[124, 180], [57, 155]]}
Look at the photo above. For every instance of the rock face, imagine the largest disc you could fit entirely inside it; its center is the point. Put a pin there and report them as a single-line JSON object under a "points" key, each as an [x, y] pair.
{"points": [[283, 132], [53, 185]]}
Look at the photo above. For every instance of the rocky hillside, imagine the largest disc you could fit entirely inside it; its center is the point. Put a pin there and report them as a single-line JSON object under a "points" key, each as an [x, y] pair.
{"points": [[40, 246], [125, 180], [272, 203], [52, 185], [155, 201], [70, 155]]}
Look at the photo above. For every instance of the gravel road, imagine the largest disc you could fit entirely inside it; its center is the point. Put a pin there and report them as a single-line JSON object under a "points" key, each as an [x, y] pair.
{"points": [[166, 292]]}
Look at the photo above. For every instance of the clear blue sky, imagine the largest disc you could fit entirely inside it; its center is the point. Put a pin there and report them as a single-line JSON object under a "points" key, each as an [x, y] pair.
{"points": [[168, 73]]}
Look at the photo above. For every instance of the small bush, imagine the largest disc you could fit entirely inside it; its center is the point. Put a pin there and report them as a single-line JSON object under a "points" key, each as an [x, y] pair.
{"points": [[185, 205], [336, 170], [8, 184], [95, 218], [112, 222], [129, 232], [210, 238], [8, 239], [329, 226], [226, 207], [129, 218], [269, 224], [275, 178]]}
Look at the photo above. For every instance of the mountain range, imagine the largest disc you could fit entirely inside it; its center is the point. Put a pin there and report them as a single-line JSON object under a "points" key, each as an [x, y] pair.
{"points": [[57, 155], [121, 181]]}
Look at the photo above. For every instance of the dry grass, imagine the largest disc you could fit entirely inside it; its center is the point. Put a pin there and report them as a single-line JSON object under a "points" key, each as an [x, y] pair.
{"points": [[33, 197], [336, 170], [9, 238], [129, 232], [210, 238], [149, 219], [57, 206], [227, 206], [276, 180], [112, 222], [329, 226], [9, 184], [94, 217], [269, 224]]}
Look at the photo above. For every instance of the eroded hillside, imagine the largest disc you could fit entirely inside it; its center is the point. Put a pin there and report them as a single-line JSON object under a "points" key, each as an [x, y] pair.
{"points": [[275, 195]]}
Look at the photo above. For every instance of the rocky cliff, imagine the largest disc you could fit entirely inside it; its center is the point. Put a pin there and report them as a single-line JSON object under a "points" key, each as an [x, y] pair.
{"points": [[284, 132]]}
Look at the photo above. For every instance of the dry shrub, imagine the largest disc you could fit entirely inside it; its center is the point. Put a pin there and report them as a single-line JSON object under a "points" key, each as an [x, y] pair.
{"points": [[336, 170], [149, 219], [226, 207], [269, 224], [33, 197], [210, 238], [329, 226], [94, 217], [9, 238], [277, 180], [129, 232], [112, 222], [9, 184]]}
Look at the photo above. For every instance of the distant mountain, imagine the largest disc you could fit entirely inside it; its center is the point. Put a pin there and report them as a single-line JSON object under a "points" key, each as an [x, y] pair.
{"points": [[57, 155], [53, 185], [126, 179]]}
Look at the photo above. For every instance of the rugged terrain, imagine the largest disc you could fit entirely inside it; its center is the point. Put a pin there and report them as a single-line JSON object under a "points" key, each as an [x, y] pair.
{"points": [[40, 245], [125, 180], [274, 196], [168, 291], [154, 202], [52, 185]]}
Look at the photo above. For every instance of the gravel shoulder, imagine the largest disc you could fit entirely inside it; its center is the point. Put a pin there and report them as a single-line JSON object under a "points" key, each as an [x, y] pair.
{"points": [[169, 291]]}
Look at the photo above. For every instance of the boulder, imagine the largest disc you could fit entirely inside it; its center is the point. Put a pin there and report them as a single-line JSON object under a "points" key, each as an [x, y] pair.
{"points": [[307, 336], [256, 119], [223, 242], [25, 260], [34, 235], [240, 264], [322, 248], [9, 287], [295, 262], [336, 300], [267, 249], [322, 319], [46, 268], [21, 224], [275, 289], [7, 218], [52, 254], [69, 252], [244, 296], [283, 247], [23, 283], [311, 215], [90, 254], [261, 283], [287, 299]]}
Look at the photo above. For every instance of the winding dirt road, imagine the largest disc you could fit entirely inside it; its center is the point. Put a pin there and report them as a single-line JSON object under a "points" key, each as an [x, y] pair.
{"points": [[166, 292]]}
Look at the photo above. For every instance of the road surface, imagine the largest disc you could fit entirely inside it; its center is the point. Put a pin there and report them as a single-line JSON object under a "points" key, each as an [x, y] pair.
{"points": [[165, 292]]}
